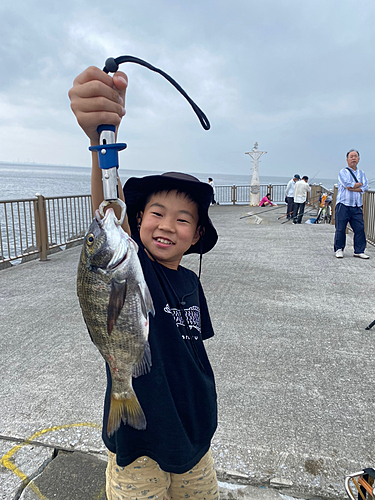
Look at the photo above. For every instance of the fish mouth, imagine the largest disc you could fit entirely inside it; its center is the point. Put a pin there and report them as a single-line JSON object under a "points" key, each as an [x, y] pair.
{"points": [[108, 214], [118, 202]]}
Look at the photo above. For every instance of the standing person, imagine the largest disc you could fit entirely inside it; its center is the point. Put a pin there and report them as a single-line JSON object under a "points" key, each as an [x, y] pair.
{"points": [[300, 195], [289, 195], [167, 215], [212, 184], [352, 184]]}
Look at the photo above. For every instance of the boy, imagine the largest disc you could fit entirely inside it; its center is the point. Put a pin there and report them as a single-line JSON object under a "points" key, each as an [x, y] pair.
{"points": [[167, 215]]}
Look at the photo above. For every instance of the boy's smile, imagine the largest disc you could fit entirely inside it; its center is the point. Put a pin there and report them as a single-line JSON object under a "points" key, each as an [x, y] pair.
{"points": [[169, 227]]}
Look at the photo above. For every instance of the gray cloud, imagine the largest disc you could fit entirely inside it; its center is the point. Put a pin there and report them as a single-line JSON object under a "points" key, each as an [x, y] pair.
{"points": [[295, 76]]}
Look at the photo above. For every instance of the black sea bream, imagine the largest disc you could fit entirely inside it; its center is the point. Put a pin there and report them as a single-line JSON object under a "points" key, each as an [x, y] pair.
{"points": [[116, 303]]}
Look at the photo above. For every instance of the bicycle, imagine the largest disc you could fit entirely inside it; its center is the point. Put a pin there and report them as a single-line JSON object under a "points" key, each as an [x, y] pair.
{"points": [[364, 484], [325, 212]]}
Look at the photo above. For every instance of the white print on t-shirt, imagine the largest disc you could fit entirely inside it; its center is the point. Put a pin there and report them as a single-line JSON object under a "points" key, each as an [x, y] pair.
{"points": [[192, 315]]}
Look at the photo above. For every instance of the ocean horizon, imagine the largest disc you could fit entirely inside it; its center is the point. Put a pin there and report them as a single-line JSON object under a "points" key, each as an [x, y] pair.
{"points": [[25, 180]]}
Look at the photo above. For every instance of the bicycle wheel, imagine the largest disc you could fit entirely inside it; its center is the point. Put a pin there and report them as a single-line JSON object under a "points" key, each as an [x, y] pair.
{"points": [[328, 217], [319, 217]]}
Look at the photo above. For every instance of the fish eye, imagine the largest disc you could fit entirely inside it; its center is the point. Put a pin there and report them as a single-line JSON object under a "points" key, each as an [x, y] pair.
{"points": [[90, 239]]}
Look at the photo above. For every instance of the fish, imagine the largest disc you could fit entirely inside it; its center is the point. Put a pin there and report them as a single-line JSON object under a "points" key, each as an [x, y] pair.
{"points": [[116, 303]]}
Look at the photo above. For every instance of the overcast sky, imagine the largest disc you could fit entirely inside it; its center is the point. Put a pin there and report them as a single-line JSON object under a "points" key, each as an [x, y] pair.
{"points": [[297, 76]]}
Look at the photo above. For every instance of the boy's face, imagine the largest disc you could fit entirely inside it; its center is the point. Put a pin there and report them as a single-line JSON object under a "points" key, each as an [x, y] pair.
{"points": [[169, 227]]}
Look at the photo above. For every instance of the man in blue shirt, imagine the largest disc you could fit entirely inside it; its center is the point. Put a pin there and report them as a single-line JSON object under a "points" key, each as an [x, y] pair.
{"points": [[352, 184]]}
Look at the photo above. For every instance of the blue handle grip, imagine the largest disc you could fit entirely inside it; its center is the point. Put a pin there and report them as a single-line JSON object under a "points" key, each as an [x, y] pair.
{"points": [[101, 128], [108, 154]]}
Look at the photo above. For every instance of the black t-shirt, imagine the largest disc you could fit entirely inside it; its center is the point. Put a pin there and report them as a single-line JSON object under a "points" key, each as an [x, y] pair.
{"points": [[178, 396]]}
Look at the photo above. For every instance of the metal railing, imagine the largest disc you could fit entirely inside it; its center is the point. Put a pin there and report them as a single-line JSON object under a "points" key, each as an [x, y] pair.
{"points": [[17, 229], [369, 215], [316, 193], [237, 195], [240, 195], [37, 226]]}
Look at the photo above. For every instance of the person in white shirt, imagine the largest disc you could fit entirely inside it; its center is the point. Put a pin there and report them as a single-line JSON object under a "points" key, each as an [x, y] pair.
{"points": [[289, 195], [300, 195], [212, 184]]}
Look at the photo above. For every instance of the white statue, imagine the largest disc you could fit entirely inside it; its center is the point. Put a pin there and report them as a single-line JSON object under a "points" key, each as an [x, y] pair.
{"points": [[255, 154]]}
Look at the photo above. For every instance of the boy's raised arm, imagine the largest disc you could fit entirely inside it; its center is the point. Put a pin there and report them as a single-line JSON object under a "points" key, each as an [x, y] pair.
{"points": [[96, 99]]}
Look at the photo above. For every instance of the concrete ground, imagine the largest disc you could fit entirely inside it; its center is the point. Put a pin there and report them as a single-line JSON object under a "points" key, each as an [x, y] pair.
{"points": [[294, 366]]}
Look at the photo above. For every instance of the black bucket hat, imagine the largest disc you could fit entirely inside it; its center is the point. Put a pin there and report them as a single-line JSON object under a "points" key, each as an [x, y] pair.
{"points": [[137, 190]]}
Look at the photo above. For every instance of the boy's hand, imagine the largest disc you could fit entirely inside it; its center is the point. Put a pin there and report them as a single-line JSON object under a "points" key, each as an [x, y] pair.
{"points": [[98, 99]]}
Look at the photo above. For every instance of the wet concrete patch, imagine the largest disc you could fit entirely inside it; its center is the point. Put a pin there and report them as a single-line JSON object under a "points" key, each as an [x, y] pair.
{"points": [[70, 475]]}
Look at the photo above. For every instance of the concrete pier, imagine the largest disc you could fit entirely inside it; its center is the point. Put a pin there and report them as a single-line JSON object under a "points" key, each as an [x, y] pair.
{"points": [[294, 366]]}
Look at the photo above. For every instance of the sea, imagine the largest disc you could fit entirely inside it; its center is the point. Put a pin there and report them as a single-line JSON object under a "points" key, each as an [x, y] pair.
{"points": [[19, 181]]}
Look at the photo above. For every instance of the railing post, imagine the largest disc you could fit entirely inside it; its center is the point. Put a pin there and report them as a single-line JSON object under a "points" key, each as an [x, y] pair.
{"points": [[334, 197], [312, 197], [365, 210], [41, 226], [234, 194], [270, 190]]}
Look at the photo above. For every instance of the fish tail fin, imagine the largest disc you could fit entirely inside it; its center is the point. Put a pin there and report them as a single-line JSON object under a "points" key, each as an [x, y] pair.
{"points": [[128, 410]]}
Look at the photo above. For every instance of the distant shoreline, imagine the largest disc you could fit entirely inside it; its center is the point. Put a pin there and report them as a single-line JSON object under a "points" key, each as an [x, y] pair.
{"points": [[34, 164], [232, 178]]}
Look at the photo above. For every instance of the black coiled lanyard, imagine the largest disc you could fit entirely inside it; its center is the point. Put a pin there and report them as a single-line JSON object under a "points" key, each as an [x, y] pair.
{"points": [[108, 149], [111, 66]]}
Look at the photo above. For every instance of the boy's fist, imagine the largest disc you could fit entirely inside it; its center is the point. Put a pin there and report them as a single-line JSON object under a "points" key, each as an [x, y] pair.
{"points": [[98, 99]]}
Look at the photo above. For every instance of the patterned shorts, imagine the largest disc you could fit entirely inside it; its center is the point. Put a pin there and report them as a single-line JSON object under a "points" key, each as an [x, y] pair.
{"points": [[144, 479]]}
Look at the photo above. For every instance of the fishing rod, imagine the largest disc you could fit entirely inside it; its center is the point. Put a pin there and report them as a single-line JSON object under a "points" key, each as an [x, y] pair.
{"points": [[280, 207], [108, 149], [370, 325], [271, 210], [305, 213], [313, 208], [313, 200], [314, 176], [265, 211], [285, 215]]}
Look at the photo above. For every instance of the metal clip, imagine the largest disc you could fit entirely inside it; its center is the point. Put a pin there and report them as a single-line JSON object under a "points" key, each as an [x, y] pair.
{"points": [[118, 202], [107, 153]]}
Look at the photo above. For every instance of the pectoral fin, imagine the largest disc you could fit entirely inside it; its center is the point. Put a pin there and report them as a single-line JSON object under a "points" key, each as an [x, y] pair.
{"points": [[146, 300], [116, 302]]}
